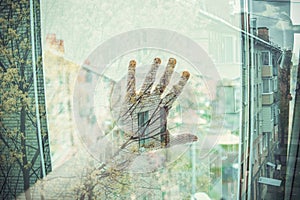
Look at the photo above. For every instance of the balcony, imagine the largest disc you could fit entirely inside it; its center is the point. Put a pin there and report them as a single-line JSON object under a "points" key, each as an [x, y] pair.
{"points": [[267, 71], [267, 98]]}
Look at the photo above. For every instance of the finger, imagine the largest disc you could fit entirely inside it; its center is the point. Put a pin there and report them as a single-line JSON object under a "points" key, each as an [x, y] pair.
{"points": [[165, 79], [150, 77], [131, 80], [169, 99]]}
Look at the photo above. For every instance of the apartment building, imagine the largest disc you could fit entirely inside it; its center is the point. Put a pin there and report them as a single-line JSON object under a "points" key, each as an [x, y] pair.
{"points": [[60, 76], [259, 139]]}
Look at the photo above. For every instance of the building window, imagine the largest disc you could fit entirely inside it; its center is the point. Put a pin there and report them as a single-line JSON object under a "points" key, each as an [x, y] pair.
{"points": [[229, 44], [143, 125], [257, 65], [265, 140], [232, 99], [276, 114], [275, 84], [273, 113], [267, 85], [258, 95], [237, 98], [244, 59], [261, 145], [255, 156], [223, 47], [266, 58]]}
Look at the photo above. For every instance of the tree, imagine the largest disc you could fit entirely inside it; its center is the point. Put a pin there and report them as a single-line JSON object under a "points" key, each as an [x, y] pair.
{"points": [[24, 138]]}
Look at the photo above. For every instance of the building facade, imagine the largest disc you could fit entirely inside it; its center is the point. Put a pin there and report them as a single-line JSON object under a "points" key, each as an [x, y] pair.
{"points": [[260, 113], [60, 76], [25, 151]]}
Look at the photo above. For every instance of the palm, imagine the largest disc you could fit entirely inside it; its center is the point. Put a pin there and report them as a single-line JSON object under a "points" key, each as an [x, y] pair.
{"points": [[144, 115]]}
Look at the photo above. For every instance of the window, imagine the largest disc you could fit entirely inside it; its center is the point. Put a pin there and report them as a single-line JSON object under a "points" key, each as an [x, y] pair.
{"points": [[232, 99], [258, 95], [267, 85], [265, 58], [256, 118], [229, 48], [244, 59], [255, 156], [229, 99], [237, 99], [265, 140], [275, 68], [273, 113], [261, 145], [143, 125], [257, 66], [223, 47], [275, 84], [276, 114], [257, 61], [254, 92]]}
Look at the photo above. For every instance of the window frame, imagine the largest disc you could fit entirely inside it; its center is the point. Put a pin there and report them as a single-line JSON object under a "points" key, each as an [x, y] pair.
{"points": [[143, 126], [270, 86]]}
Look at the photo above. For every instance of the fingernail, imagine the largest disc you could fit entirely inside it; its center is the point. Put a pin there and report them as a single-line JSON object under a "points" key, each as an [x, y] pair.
{"points": [[132, 63], [157, 60], [172, 61], [186, 74]]}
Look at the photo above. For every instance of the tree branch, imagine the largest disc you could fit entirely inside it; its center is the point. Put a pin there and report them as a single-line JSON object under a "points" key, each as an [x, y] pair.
{"points": [[3, 67]]}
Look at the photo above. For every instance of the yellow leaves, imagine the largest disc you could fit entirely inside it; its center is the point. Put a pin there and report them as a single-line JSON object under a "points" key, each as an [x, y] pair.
{"points": [[4, 51], [28, 62], [28, 165], [44, 134], [3, 158], [134, 149], [95, 173], [22, 135], [12, 97], [14, 155], [22, 61], [24, 44], [12, 33], [14, 6], [11, 133], [11, 102]]}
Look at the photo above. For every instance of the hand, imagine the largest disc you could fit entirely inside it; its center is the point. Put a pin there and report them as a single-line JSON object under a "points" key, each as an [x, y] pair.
{"points": [[144, 114]]}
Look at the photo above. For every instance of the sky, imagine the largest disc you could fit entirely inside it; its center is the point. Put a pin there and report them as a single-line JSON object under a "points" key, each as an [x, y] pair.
{"points": [[84, 25], [280, 17]]}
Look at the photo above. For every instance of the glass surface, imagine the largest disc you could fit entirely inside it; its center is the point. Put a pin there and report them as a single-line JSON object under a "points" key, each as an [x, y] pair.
{"points": [[246, 42], [150, 99]]}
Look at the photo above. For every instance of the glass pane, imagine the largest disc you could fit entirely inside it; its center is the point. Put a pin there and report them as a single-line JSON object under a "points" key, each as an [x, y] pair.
{"points": [[218, 82], [265, 58]]}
